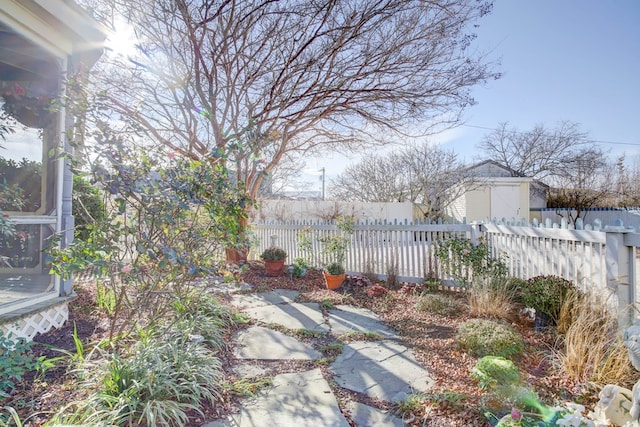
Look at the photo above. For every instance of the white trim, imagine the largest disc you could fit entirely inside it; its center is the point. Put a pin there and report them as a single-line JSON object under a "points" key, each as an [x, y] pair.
{"points": [[33, 219], [33, 27], [31, 301]]}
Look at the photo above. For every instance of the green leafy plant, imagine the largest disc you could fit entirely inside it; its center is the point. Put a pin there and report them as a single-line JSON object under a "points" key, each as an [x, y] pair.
{"points": [[431, 284], [545, 294], [200, 313], [327, 304], [165, 227], [273, 253], [414, 403], [105, 298], [447, 397], [361, 336], [334, 269], [299, 267], [465, 261], [333, 246], [483, 337], [493, 371], [245, 387], [16, 359], [162, 380]]}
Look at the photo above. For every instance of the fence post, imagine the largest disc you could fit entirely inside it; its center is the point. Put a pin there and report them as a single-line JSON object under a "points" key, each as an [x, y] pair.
{"points": [[476, 233], [619, 272], [632, 241]]}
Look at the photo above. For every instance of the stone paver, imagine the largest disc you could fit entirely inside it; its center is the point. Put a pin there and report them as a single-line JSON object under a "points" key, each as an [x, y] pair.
{"points": [[291, 316], [301, 399], [346, 318], [278, 296], [367, 416], [266, 344], [385, 370]]}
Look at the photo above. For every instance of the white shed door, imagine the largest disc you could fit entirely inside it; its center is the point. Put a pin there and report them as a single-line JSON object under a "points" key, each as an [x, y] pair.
{"points": [[505, 202]]}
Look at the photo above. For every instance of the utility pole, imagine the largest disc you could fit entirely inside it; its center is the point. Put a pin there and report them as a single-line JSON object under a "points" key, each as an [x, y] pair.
{"points": [[322, 183]]}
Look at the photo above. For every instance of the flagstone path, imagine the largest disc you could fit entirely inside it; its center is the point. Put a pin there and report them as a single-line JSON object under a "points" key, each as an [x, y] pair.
{"points": [[382, 369]]}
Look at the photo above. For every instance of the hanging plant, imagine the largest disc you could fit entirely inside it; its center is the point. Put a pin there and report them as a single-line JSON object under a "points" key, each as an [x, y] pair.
{"points": [[34, 110]]}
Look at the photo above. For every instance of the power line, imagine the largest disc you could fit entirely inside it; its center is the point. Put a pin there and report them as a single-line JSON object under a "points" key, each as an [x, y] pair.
{"points": [[635, 144]]}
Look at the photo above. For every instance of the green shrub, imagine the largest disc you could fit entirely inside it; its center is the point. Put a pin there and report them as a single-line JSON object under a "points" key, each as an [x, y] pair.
{"points": [[482, 337], [16, 359], [464, 261], [299, 267], [545, 294], [443, 305], [493, 371]]}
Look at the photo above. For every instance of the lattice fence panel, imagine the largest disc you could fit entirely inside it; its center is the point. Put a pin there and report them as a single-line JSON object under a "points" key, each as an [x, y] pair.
{"points": [[38, 322]]}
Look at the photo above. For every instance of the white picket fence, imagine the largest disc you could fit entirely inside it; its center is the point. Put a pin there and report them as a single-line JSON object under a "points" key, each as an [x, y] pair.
{"points": [[375, 246], [598, 258]]}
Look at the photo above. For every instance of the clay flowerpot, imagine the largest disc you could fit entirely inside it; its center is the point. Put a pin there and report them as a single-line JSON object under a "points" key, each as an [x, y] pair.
{"points": [[237, 256], [274, 268], [333, 281]]}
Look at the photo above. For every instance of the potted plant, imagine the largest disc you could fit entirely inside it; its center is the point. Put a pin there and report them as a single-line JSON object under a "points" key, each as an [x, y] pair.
{"points": [[238, 245], [273, 258], [334, 275]]}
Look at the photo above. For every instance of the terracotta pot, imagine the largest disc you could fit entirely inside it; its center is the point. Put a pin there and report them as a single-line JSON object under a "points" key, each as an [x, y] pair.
{"points": [[334, 282], [274, 268], [237, 256]]}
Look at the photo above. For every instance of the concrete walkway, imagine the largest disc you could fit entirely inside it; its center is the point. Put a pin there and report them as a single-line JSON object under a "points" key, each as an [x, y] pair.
{"points": [[384, 369]]}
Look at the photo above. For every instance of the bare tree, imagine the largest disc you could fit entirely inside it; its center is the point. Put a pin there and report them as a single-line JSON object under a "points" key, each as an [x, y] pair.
{"points": [[627, 182], [586, 183], [375, 178], [251, 81], [540, 153], [426, 175]]}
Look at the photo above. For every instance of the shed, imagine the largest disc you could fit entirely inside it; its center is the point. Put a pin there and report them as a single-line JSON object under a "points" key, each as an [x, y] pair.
{"points": [[498, 192]]}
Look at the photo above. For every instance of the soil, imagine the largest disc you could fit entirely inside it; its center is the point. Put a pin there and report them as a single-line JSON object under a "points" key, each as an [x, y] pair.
{"points": [[455, 401]]}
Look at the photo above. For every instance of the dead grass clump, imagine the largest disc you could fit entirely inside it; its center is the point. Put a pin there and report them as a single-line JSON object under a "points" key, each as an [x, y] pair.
{"points": [[591, 347], [493, 299]]}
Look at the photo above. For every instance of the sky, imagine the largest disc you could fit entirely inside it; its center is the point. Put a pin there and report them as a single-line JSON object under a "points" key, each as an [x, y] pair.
{"points": [[576, 60]]}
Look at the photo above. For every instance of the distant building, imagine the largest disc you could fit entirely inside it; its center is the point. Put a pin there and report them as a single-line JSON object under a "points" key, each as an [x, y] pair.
{"points": [[498, 192]]}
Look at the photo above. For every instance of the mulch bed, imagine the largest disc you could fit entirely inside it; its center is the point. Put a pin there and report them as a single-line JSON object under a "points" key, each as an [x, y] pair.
{"points": [[431, 337]]}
